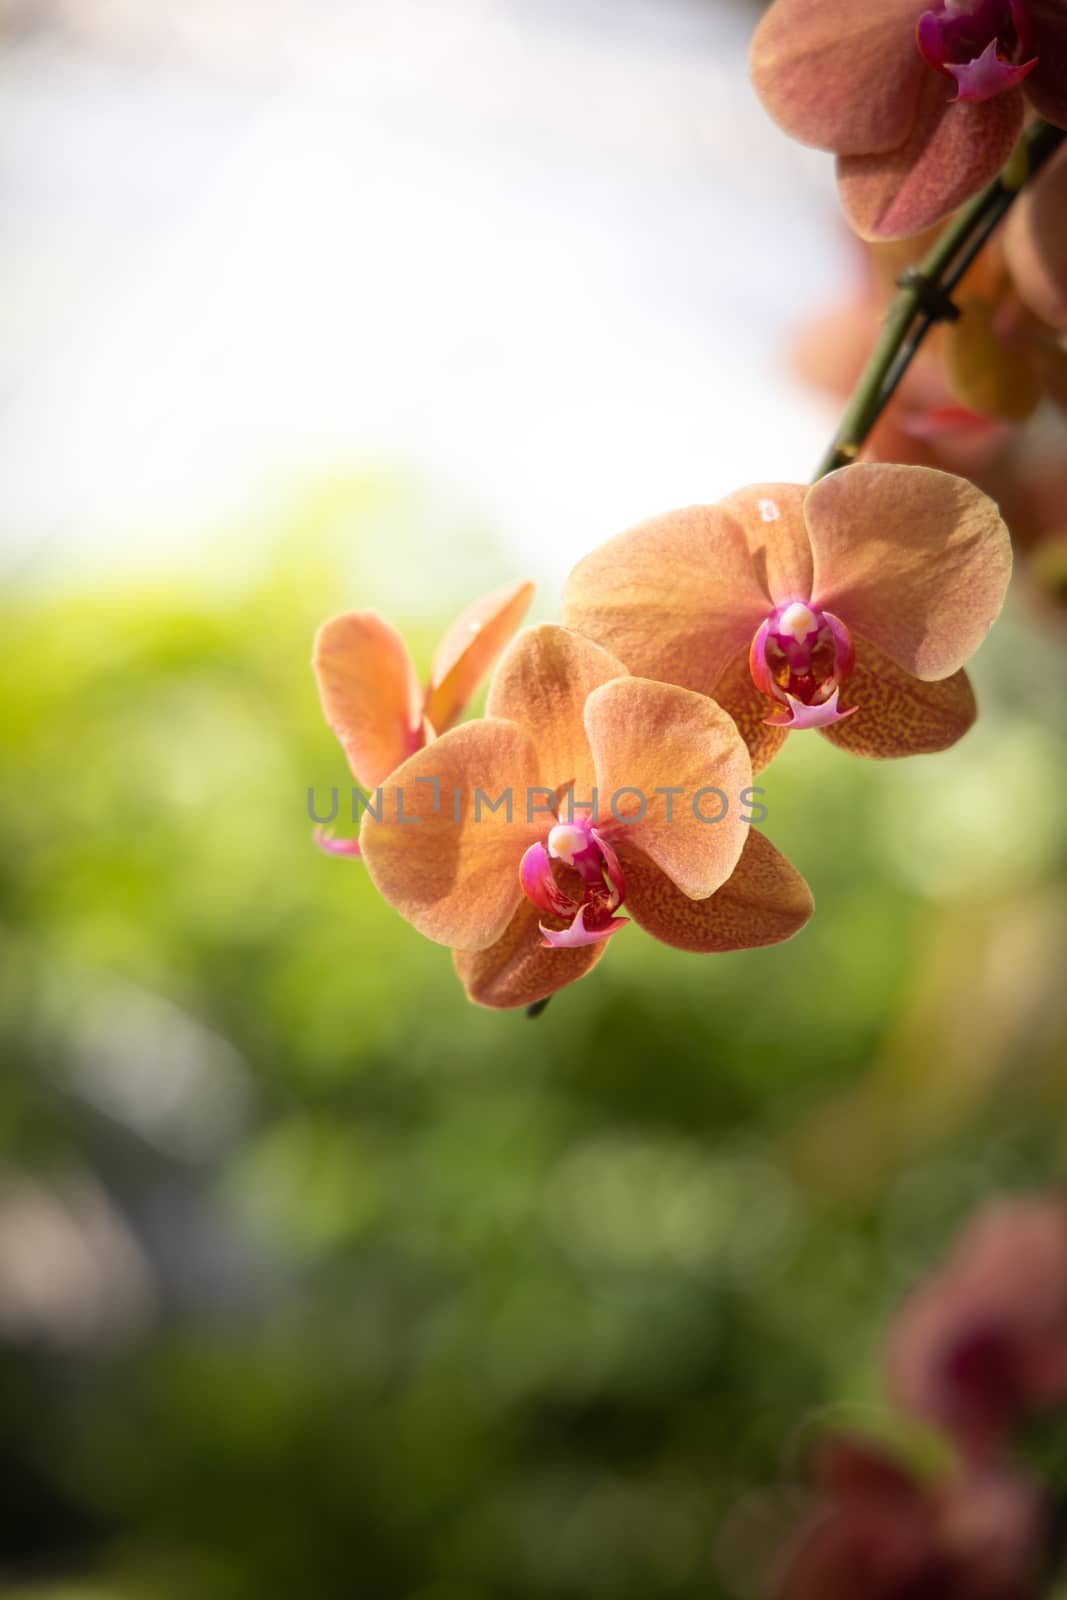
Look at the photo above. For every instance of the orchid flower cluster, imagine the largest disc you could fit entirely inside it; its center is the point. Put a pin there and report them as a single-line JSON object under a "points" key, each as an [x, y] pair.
{"points": [[694, 644], [978, 1352]]}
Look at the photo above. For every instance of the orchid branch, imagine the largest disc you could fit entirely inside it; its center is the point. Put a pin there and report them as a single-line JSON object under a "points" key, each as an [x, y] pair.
{"points": [[926, 291]]}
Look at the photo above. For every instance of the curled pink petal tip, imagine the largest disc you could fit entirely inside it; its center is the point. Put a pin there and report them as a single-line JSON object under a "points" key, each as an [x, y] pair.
{"points": [[330, 846], [612, 871], [578, 933], [539, 883]]}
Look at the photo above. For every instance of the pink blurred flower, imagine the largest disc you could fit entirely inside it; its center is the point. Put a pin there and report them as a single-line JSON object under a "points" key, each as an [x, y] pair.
{"points": [[984, 1341], [922, 104], [883, 1534]]}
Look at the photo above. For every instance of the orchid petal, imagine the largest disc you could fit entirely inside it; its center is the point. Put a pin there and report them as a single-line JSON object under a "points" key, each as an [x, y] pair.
{"points": [[915, 560], [1016, 1251], [771, 516], [987, 75], [986, 374], [900, 715], [954, 149], [764, 901], [369, 692], [457, 882], [931, 41], [470, 648], [649, 736], [1020, 19], [674, 598], [840, 75], [578, 934], [1035, 243], [542, 683], [853, 1468], [518, 970], [739, 697]]}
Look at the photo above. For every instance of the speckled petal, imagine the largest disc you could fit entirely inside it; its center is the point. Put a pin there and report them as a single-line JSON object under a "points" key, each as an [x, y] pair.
{"points": [[915, 560], [738, 695], [764, 901], [954, 149], [518, 970], [897, 714]]}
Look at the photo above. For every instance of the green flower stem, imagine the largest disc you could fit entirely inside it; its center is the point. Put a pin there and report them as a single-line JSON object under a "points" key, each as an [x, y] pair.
{"points": [[926, 291]]}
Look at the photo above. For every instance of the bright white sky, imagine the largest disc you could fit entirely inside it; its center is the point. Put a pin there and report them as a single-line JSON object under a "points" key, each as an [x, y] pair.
{"points": [[543, 250]]}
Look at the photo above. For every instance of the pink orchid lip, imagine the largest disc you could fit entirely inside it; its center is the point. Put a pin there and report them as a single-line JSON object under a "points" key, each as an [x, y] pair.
{"points": [[802, 716], [330, 846], [583, 848], [578, 934], [987, 75], [800, 658], [978, 43]]}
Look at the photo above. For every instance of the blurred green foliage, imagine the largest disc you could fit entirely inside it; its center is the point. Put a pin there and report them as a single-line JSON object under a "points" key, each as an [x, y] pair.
{"points": [[317, 1281]]}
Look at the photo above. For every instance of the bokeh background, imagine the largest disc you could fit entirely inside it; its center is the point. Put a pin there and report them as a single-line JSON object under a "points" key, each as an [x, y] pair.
{"points": [[315, 1280]]}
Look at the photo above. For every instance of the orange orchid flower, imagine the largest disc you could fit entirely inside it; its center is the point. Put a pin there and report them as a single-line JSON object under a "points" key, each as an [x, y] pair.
{"points": [[370, 692], [881, 1530], [492, 840], [1001, 359], [921, 102], [982, 1343], [849, 606]]}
